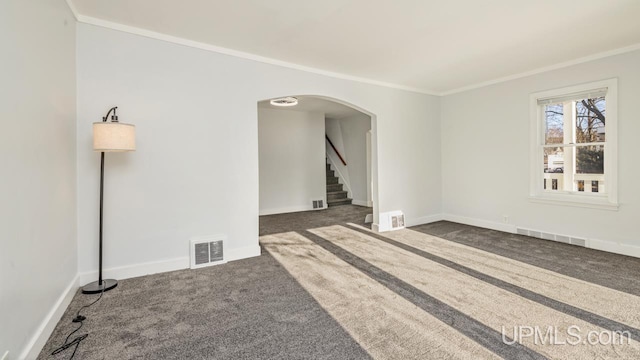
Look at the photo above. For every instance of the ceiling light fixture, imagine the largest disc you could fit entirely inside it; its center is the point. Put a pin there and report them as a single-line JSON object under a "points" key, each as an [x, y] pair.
{"points": [[285, 101]]}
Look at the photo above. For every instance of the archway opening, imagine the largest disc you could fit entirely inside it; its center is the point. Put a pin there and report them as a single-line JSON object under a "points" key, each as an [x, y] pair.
{"points": [[316, 153]]}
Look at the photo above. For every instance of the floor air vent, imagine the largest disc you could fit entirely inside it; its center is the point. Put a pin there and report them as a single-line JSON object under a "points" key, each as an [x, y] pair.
{"points": [[553, 237], [207, 251]]}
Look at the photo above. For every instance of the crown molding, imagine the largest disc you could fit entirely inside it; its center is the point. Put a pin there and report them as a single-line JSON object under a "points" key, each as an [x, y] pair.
{"points": [[240, 54], [244, 55], [73, 9], [561, 65]]}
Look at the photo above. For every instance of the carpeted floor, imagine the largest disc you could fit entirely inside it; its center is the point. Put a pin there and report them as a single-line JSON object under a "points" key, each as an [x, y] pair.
{"points": [[327, 287]]}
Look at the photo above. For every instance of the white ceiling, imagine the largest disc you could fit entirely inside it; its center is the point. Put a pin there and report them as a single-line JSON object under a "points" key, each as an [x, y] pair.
{"points": [[435, 46], [331, 109]]}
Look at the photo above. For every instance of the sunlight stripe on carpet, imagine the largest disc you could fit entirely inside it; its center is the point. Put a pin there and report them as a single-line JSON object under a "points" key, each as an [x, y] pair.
{"points": [[463, 323], [610, 303], [489, 304], [568, 309], [386, 325]]}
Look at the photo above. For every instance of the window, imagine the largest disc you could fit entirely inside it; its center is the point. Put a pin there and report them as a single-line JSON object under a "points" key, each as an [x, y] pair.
{"points": [[573, 143]]}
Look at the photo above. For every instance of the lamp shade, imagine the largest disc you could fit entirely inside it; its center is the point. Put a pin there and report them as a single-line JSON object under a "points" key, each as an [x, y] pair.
{"points": [[114, 136]]}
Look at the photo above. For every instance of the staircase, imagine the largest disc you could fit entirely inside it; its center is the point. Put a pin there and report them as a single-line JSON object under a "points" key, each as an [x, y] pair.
{"points": [[335, 195]]}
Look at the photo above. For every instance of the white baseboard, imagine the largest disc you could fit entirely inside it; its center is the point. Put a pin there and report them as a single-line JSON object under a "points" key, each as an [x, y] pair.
{"points": [[614, 247], [243, 252], [155, 267], [423, 220], [288, 209], [510, 228], [362, 203], [41, 335], [595, 244], [408, 222], [135, 270]]}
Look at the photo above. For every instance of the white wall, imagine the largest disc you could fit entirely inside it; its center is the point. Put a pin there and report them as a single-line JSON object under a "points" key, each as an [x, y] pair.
{"points": [[196, 168], [489, 123], [350, 139], [291, 153], [38, 259]]}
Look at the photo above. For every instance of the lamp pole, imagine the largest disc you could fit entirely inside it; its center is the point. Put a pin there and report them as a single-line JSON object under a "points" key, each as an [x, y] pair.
{"points": [[101, 207]]}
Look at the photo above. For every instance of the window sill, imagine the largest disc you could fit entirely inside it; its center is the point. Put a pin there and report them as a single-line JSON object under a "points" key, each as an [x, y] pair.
{"points": [[601, 203]]}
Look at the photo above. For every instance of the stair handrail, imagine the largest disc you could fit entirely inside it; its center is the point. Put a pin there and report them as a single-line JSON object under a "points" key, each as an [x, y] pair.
{"points": [[336, 150]]}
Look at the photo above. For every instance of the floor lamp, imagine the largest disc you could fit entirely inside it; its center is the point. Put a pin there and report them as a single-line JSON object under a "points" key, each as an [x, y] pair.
{"points": [[108, 136]]}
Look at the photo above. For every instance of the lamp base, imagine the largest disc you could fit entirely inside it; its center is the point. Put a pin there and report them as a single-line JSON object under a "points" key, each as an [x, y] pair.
{"points": [[95, 287]]}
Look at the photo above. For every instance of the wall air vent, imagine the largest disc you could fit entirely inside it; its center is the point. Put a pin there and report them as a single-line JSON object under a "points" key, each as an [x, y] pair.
{"points": [[318, 204], [553, 237], [207, 251], [393, 220], [397, 221]]}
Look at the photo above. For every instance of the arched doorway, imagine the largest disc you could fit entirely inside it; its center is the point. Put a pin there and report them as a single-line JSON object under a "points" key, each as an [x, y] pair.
{"points": [[316, 134]]}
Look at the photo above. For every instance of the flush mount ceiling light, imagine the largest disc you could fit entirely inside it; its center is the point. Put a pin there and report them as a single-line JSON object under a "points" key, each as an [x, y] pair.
{"points": [[285, 101]]}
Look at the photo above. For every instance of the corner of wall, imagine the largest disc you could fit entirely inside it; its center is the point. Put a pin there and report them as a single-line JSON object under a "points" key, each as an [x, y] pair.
{"points": [[48, 324]]}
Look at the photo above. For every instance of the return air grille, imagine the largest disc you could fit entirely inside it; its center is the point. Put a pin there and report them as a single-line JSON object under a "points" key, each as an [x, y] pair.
{"points": [[553, 237], [207, 251], [202, 253], [397, 221], [393, 220]]}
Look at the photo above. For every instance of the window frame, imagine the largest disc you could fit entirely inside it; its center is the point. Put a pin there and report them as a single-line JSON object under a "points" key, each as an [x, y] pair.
{"points": [[607, 201]]}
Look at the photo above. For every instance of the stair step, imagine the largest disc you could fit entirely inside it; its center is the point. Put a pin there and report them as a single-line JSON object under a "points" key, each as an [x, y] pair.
{"points": [[331, 173], [332, 180], [334, 187], [336, 195], [338, 202]]}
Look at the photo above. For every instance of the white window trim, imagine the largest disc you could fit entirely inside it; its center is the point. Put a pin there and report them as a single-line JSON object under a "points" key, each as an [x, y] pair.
{"points": [[608, 201]]}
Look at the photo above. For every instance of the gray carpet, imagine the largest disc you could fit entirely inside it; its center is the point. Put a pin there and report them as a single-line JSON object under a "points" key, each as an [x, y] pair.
{"points": [[247, 309], [611, 270], [299, 221], [408, 284], [327, 287]]}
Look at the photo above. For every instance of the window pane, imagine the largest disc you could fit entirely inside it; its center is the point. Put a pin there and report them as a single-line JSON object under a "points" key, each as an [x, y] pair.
{"points": [[553, 182], [590, 159], [553, 168], [554, 160], [590, 120], [554, 119]]}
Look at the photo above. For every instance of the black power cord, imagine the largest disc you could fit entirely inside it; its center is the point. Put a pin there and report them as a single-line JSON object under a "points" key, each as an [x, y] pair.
{"points": [[78, 319]]}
